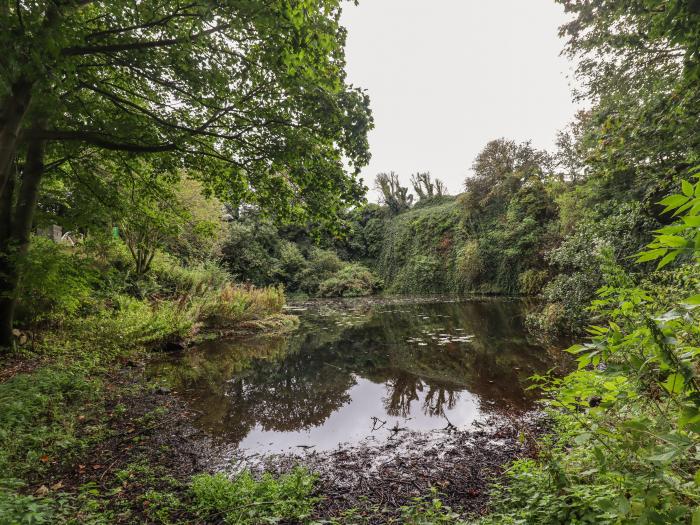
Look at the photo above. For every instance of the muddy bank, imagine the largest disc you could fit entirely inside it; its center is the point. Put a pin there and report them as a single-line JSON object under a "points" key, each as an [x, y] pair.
{"points": [[377, 478]]}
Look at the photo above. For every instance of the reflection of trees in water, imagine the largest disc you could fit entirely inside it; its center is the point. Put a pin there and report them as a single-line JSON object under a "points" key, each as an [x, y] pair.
{"points": [[306, 377], [438, 399], [291, 395], [404, 388]]}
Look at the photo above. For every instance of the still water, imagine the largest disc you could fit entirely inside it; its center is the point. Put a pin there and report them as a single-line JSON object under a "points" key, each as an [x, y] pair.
{"points": [[360, 370]]}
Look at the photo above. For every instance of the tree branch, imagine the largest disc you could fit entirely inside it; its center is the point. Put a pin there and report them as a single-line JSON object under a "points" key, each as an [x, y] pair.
{"points": [[140, 45], [100, 140]]}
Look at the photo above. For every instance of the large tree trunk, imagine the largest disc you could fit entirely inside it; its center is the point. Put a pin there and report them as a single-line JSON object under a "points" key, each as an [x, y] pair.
{"points": [[14, 246], [14, 108]]}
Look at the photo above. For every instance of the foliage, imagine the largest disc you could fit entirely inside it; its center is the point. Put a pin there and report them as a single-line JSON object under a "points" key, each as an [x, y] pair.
{"points": [[427, 188], [293, 65], [508, 216], [251, 250], [34, 429], [56, 279], [353, 280], [531, 281], [582, 259], [170, 278], [259, 252], [428, 510], [482, 241], [394, 196], [233, 304], [246, 500], [631, 411], [417, 252], [19, 509], [251, 101]]}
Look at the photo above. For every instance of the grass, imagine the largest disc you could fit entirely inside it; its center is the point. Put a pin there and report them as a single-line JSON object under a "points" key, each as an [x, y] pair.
{"points": [[249, 501], [54, 415], [235, 304]]}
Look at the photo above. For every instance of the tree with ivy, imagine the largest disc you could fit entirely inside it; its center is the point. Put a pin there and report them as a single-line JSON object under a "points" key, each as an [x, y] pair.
{"points": [[249, 95], [427, 188], [392, 194]]}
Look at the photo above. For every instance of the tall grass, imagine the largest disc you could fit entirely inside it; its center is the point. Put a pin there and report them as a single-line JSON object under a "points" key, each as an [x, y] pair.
{"points": [[234, 304]]}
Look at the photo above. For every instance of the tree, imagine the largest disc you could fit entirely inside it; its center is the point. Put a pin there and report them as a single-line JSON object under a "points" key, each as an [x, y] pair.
{"points": [[426, 188], [391, 193], [250, 94], [638, 62], [500, 169], [570, 159]]}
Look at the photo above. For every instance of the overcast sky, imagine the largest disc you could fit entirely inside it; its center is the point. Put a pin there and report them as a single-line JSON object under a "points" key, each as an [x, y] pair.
{"points": [[447, 76]]}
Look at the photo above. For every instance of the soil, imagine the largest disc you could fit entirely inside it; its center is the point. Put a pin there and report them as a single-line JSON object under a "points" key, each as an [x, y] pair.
{"points": [[378, 478]]}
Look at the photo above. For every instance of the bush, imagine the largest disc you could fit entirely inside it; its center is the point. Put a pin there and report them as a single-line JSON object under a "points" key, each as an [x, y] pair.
{"points": [[354, 280], [171, 279], [628, 419], [321, 265], [420, 274], [291, 264], [417, 252], [55, 279], [247, 501], [532, 281]]}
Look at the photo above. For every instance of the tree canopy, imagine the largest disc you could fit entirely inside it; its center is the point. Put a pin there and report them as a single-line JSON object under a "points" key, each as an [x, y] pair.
{"points": [[249, 96]]}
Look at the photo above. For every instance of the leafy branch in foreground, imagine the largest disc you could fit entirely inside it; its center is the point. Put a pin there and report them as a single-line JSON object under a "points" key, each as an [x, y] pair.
{"points": [[627, 445], [683, 236]]}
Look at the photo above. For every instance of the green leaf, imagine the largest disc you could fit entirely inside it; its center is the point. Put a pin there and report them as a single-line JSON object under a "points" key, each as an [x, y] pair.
{"points": [[672, 241], [688, 188], [693, 299], [651, 255], [583, 438], [674, 384], [575, 349], [670, 257], [692, 221], [673, 201], [664, 457]]}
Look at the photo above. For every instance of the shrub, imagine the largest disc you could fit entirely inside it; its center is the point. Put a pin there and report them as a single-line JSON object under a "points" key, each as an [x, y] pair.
{"points": [[322, 264], [354, 280], [532, 281], [170, 278], [247, 501], [417, 249], [55, 279], [291, 264], [628, 419]]}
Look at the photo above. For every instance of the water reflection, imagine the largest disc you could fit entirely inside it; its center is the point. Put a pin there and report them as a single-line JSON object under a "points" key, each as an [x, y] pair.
{"points": [[358, 369]]}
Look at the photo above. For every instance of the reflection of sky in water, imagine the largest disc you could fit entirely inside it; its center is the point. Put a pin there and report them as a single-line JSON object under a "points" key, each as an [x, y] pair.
{"points": [[353, 422]]}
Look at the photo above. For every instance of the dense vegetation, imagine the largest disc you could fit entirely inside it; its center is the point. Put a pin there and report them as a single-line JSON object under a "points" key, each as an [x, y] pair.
{"points": [[195, 156]]}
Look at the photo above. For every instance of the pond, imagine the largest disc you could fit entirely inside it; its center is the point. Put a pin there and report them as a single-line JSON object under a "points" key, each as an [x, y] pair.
{"points": [[359, 370]]}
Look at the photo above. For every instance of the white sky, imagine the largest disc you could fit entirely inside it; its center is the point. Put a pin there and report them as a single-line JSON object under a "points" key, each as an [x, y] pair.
{"points": [[447, 76]]}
